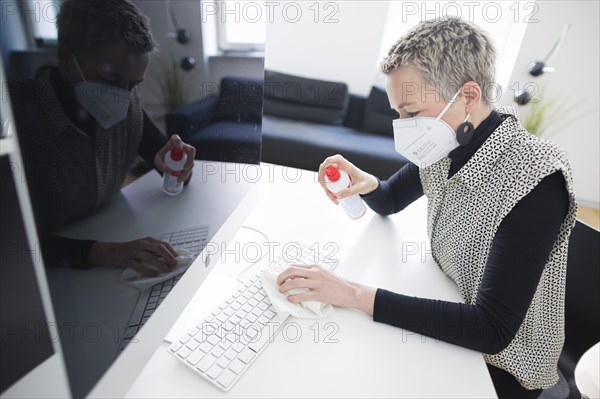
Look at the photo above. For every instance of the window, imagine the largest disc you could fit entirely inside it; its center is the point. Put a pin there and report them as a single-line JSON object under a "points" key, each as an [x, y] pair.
{"points": [[241, 25], [40, 18]]}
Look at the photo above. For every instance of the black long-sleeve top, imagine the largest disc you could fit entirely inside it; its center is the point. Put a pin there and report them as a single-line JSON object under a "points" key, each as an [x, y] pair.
{"points": [[62, 251], [519, 252]]}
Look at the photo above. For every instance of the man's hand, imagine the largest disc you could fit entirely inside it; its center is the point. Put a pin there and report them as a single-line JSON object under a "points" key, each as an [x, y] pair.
{"points": [[175, 142], [148, 256]]}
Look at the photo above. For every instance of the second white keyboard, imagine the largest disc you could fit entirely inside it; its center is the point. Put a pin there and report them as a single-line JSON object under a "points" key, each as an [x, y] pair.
{"points": [[224, 345]]}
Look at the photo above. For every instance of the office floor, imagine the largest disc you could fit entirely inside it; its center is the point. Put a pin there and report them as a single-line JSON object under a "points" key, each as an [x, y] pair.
{"points": [[589, 215]]}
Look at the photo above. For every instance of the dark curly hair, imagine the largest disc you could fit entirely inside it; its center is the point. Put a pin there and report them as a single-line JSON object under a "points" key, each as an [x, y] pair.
{"points": [[84, 26]]}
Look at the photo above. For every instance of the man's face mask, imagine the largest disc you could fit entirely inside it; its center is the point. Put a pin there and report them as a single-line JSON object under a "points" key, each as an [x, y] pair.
{"points": [[106, 103], [425, 140]]}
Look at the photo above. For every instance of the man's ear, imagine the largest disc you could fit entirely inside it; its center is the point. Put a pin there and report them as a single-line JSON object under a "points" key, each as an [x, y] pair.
{"points": [[65, 63]]}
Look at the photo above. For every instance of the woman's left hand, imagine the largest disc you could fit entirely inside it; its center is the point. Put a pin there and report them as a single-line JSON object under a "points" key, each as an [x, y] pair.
{"points": [[176, 142], [325, 286]]}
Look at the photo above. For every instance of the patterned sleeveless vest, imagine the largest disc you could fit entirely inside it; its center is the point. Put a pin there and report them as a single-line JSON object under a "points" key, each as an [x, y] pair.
{"points": [[464, 213]]}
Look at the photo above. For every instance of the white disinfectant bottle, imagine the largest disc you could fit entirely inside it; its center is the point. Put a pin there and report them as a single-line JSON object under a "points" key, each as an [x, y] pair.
{"points": [[175, 160], [337, 180]]}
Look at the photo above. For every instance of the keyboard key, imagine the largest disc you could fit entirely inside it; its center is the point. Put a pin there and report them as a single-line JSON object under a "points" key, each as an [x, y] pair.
{"points": [[247, 294], [226, 378], [251, 318], [229, 326], [195, 357], [185, 339], [263, 306], [148, 313], [225, 344], [184, 352], [235, 319], [253, 302], [237, 347], [228, 311], [213, 340], [237, 366], [217, 351], [206, 362], [175, 346], [130, 331], [269, 313], [222, 317], [214, 371], [246, 355], [153, 299], [230, 354], [205, 347], [257, 312], [193, 344], [235, 305], [247, 308], [223, 362], [260, 296]]}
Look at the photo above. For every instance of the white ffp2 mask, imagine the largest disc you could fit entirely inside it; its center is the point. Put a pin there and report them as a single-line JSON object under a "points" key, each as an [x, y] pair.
{"points": [[108, 104], [425, 140]]}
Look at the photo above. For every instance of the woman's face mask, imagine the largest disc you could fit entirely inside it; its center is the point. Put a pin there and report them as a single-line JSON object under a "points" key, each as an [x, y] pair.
{"points": [[106, 103], [425, 140]]}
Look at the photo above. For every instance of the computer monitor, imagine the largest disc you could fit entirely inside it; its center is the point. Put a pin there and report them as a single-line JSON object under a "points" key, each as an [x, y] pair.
{"points": [[31, 360], [93, 308]]}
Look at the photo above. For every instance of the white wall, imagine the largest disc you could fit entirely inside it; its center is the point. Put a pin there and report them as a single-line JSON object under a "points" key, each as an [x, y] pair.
{"points": [[210, 65], [346, 50], [188, 17], [575, 81]]}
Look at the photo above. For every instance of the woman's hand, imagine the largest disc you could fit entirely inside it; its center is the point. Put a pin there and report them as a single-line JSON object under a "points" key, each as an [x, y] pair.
{"points": [[362, 182], [175, 142], [325, 286], [148, 256]]}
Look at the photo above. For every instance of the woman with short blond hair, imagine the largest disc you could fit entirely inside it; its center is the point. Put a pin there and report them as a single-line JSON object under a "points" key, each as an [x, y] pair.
{"points": [[500, 211]]}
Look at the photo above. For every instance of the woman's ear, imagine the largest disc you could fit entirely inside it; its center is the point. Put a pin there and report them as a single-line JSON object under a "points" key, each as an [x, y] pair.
{"points": [[472, 93]]}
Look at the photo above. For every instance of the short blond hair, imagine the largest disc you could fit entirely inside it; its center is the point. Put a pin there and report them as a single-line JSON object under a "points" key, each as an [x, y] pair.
{"points": [[448, 52]]}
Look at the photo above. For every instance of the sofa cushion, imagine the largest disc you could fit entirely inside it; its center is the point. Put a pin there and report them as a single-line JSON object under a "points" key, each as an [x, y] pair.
{"points": [[240, 99], [378, 114], [229, 142], [305, 99]]}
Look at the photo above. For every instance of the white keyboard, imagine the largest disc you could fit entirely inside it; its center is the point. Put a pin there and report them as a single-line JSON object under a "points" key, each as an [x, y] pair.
{"points": [[193, 240], [224, 345]]}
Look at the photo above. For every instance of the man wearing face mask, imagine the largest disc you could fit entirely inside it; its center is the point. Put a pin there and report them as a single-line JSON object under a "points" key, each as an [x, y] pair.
{"points": [[500, 211], [81, 126]]}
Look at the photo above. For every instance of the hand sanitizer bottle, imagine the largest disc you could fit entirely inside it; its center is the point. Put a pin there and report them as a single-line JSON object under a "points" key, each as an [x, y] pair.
{"points": [[175, 160], [337, 180]]}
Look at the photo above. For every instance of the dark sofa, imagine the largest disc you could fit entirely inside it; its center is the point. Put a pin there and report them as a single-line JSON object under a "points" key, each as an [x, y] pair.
{"points": [[224, 127], [307, 120], [303, 122]]}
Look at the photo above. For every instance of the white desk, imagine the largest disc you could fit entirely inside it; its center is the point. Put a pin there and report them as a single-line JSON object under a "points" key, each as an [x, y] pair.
{"points": [[220, 195], [352, 356]]}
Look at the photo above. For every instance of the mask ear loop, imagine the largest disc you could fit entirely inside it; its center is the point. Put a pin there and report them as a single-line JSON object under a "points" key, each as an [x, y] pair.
{"points": [[78, 68], [464, 134]]}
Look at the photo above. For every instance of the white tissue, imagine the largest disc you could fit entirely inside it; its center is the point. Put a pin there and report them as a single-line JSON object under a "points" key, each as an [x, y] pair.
{"points": [[138, 280], [283, 307]]}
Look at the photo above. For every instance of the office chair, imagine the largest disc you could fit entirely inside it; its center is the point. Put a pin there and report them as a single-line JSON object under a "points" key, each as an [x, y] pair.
{"points": [[582, 308]]}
